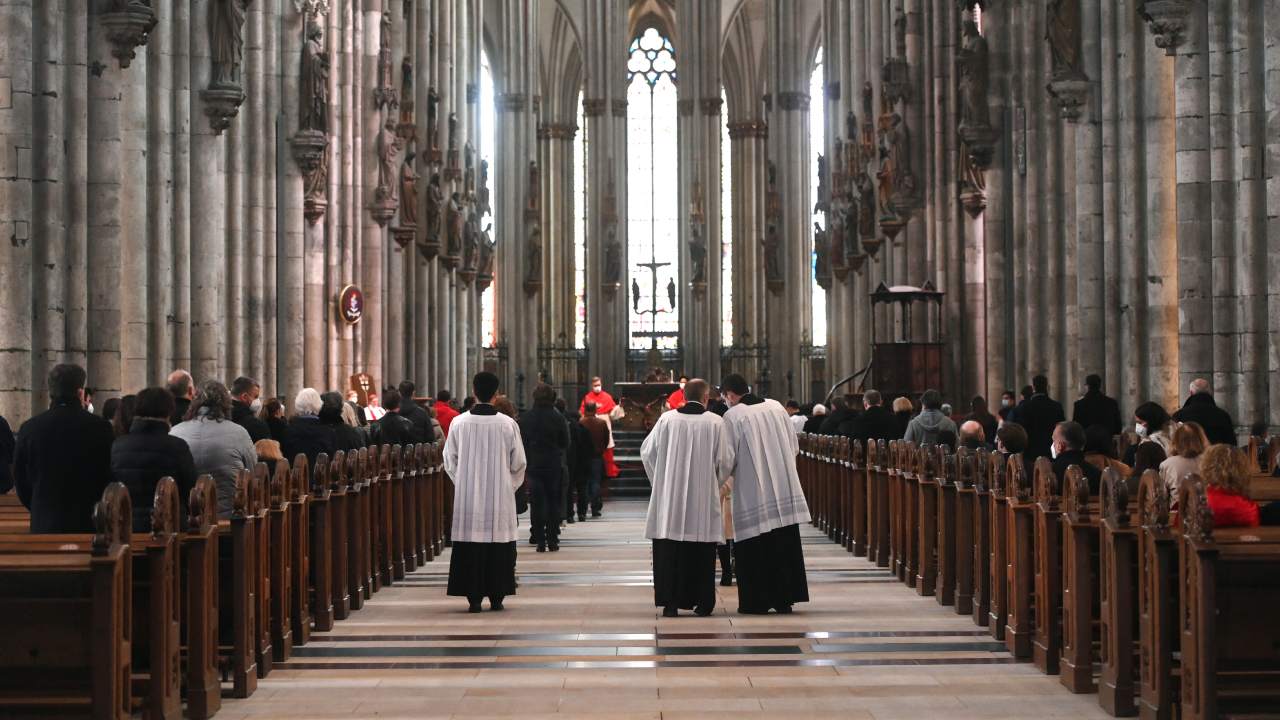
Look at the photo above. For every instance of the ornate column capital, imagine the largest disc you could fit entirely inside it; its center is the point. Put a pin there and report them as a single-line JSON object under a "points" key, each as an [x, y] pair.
{"points": [[793, 100], [620, 107], [1168, 20], [128, 24], [711, 105], [511, 102], [748, 129], [594, 107], [557, 131]]}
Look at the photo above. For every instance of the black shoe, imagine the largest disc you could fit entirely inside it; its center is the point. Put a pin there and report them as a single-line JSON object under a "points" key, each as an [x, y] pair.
{"points": [[753, 611], [474, 608], [570, 520], [533, 541], [670, 612], [582, 517], [554, 547], [726, 580], [542, 548], [495, 605], [701, 611], [783, 609], [595, 513]]}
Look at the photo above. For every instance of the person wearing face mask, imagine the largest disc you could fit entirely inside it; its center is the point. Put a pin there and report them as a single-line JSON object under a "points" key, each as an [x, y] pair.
{"points": [[605, 405], [1007, 401], [1067, 449], [675, 400], [1153, 424], [246, 403]]}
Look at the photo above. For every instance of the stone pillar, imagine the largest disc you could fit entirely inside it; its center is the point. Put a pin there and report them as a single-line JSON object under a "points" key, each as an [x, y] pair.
{"points": [[105, 212], [374, 234], [1269, 19], [208, 211], [1092, 343], [50, 163], [294, 228], [184, 84], [1199, 248], [16, 203]]}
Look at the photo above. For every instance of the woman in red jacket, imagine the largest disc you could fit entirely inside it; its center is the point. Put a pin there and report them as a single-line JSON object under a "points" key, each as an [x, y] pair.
{"points": [[1225, 471]]}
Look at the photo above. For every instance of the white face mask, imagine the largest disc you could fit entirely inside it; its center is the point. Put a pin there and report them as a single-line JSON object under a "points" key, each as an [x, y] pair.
{"points": [[681, 384], [90, 408], [1053, 451], [1140, 429], [1005, 402], [595, 388], [255, 407]]}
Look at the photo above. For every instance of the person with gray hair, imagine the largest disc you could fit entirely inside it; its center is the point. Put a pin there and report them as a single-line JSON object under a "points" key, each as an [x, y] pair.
{"points": [[219, 447], [1201, 408], [972, 435], [925, 427], [307, 435], [182, 388]]}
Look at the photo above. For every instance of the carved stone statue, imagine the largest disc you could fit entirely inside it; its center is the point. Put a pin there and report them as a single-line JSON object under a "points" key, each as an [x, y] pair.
{"points": [[1063, 35], [226, 41], [433, 119], [453, 225], [386, 69], [822, 271], [533, 256], [974, 66], [408, 191], [471, 242], [453, 132], [772, 261], [866, 207], [406, 90], [482, 192], [484, 267], [469, 163], [671, 293], [698, 254], [612, 259], [314, 114], [897, 183], [824, 186], [435, 207], [389, 148], [535, 186]]}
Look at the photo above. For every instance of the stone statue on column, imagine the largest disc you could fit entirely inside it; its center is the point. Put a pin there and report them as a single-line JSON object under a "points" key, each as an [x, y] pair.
{"points": [[454, 223], [469, 171], [535, 187], [697, 255], [824, 186], [406, 95], [1063, 34], [484, 267], [612, 259], [226, 41], [533, 260], [822, 271], [470, 243], [408, 191], [974, 64], [772, 261], [482, 193], [389, 148], [314, 109], [433, 126], [384, 94], [452, 169]]}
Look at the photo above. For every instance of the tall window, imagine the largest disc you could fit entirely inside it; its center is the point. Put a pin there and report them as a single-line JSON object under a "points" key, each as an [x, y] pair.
{"points": [[488, 133], [817, 145], [726, 228], [580, 231], [653, 202]]}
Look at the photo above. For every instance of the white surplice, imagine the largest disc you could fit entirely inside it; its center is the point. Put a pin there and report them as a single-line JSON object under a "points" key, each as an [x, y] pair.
{"points": [[687, 457], [484, 457], [766, 486]]}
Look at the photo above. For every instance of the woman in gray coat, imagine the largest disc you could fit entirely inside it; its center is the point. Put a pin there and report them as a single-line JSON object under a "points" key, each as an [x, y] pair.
{"points": [[220, 447]]}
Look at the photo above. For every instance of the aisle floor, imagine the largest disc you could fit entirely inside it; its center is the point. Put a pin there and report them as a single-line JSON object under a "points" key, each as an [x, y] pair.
{"points": [[582, 639]]}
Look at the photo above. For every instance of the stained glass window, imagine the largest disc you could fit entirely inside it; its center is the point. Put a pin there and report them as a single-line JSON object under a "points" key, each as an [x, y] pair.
{"points": [[726, 228], [652, 189], [580, 231], [817, 145], [488, 123]]}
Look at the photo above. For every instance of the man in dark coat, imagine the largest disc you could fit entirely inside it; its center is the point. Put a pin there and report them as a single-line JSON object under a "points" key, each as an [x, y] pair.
{"points": [[183, 389], [546, 438], [148, 452], [345, 437], [6, 456], [1201, 408], [1097, 409], [393, 428], [840, 420], [62, 459], [1039, 415], [244, 411], [1068, 450], [306, 435], [876, 422], [415, 413]]}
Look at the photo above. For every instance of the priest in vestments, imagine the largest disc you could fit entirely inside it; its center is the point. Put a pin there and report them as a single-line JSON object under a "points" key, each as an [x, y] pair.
{"points": [[687, 458], [676, 400], [768, 504], [605, 405], [484, 456]]}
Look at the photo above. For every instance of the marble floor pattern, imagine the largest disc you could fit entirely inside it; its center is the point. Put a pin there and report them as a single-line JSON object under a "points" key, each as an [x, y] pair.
{"points": [[582, 639]]}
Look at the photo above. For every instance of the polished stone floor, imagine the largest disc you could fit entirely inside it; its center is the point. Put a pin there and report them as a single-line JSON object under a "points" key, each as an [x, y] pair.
{"points": [[582, 639]]}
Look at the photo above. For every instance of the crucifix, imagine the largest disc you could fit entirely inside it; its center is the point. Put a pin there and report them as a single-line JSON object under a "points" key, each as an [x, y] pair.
{"points": [[653, 311]]}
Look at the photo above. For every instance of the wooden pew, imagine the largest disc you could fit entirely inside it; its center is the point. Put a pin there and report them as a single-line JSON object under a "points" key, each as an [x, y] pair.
{"points": [[910, 520], [65, 648], [264, 651], [878, 503], [280, 562], [237, 589], [1157, 606], [945, 539], [443, 500], [1081, 610], [1002, 472], [963, 534], [981, 520], [858, 498], [922, 491], [299, 534], [1020, 558], [1047, 553], [1117, 597], [391, 521], [320, 595], [198, 550], [357, 545], [1229, 590], [897, 546], [409, 506], [155, 606], [340, 552], [424, 504]]}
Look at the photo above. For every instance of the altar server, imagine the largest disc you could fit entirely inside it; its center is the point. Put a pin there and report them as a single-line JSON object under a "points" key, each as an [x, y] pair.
{"points": [[768, 504], [484, 457], [687, 458]]}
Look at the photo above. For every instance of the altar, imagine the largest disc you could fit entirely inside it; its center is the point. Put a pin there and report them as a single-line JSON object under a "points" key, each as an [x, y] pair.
{"points": [[642, 403]]}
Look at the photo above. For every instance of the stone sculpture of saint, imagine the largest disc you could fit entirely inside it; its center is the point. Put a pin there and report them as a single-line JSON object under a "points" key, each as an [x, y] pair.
{"points": [[535, 186], [453, 133], [433, 118], [974, 65], [470, 241], [823, 252], [533, 255], [389, 160], [482, 193], [485, 265], [454, 225], [226, 41], [772, 263], [408, 191], [315, 81], [698, 254], [435, 207], [612, 260], [1063, 35]]}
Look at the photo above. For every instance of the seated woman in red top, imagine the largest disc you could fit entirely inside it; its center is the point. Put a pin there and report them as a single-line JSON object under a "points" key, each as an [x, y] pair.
{"points": [[1225, 471]]}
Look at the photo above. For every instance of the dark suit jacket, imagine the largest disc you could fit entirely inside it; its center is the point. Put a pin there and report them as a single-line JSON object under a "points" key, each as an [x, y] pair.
{"points": [[1076, 457], [877, 423], [307, 436], [62, 463], [1038, 416], [392, 429], [1216, 422], [244, 417], [421, 419], [141, 458], [1098, 409]]}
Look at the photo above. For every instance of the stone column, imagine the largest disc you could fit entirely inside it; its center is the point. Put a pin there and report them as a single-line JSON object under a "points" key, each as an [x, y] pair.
{"points": [[184, 84], [1269, 19], [16, 201], [208, 210], [49, 217], [370, 335], [747, 139], [1091, 338], [105, 210], [295, 230]]}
